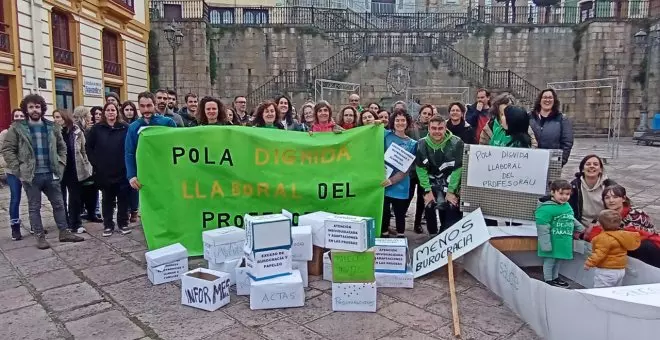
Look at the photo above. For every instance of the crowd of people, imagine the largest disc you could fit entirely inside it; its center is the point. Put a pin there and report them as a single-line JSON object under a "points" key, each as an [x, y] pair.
{"points": [[88, 151]]}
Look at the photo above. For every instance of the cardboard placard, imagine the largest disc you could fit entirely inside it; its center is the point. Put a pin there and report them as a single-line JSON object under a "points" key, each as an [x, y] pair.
{"points": [[205, 289], [391, 255], [354, 297], [398, 157], [263, 265], [353, 267], [351, 233]]}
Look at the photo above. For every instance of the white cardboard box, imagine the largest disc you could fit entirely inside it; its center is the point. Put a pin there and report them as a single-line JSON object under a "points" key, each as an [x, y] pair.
{"points": [[166, 264], [227, 267], [223, 244], [267, 232], [327, 267], [264, 265], [205, 289], [317, 221], [242, 279], [301, 266], [354, 297], [301, 249], [280, 292], [391, 255], [352, 233], [395, 280]]}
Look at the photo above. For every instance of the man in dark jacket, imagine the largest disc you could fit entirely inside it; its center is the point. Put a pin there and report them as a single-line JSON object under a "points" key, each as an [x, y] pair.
{"points": [[162, 107], [477, 114], [189, 113]]}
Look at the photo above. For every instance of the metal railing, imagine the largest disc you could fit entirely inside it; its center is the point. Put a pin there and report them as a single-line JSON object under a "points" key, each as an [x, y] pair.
{"points": [[113, 68], [5, 41], [178, 10], [62, 56], [128, 4]]}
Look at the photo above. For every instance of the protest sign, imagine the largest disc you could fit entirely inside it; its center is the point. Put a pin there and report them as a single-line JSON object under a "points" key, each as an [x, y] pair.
{"points": [[208, 177], [511, 169], [459, 239], [398, 157], [350, 266]]}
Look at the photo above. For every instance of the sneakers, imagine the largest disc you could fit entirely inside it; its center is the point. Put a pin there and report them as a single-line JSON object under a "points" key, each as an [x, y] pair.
{"points": [[133, 217], [41, 241], [16, 232], [125, 230], [79, 230], [558, 283], [108, 232], [67, 236]]}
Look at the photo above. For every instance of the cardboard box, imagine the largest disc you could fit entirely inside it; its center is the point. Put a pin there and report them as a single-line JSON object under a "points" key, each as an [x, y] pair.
{"points": [[280, 292], [242, 279], [166, 264], [223, 244], [301, 266], [391, 255], [354, 297], [327, 266], [205, 289], [317, 221], [267, 232], [353, 267], [264, 265], [395, 280], [350, 233], [315, 266], [301, 249], [228, 267]]}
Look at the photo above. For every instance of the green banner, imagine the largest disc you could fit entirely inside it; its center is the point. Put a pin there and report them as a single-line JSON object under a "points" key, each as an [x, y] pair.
{"points": [[202, 178]]}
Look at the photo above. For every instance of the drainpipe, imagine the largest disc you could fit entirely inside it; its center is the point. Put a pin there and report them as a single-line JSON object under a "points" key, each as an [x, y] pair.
{"points": [[37, 44]]}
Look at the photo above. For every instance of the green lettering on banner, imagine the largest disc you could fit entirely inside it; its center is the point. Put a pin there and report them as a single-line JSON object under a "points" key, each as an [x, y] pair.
{"points": [[202, 178], [348, 267]]}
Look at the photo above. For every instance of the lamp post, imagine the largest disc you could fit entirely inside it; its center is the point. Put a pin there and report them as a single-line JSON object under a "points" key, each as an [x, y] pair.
{"points": [[175, 39], [647, 42]]}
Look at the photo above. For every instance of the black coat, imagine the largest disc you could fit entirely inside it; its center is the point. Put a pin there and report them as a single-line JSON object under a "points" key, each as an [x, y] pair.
{"points": [[105, 150], [463, 130], [553, 132]]}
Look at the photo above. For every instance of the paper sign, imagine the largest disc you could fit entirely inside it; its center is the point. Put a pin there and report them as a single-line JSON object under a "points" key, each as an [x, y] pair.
{"points": [[354, 297], [352, 266], [388, 171], [399, 157], [641, 294], [511, 169], [459, 239]]}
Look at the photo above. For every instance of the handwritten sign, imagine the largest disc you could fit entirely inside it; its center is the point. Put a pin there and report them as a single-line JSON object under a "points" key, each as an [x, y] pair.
{"points": [[642, 294], [352, 266], [459, 239], [399, 157], [511, 169], [205, 289]]}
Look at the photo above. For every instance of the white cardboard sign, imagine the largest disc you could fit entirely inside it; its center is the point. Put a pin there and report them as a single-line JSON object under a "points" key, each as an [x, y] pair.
{"points": [[280, 292], [511, 169], [354, 297], [459, 239], [399, 157]]}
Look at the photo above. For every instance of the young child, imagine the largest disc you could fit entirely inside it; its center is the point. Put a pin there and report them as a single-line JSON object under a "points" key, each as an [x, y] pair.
{"points": [[609, 250], [556, 226]]}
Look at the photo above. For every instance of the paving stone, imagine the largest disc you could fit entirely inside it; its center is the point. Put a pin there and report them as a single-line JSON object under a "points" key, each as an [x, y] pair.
{"points": [[28, 254], [525, 333], [6, 269], [236, 332], [420, 296], [462, 279], [111, 273], [467, 333], [286, 330], [81, 312], [474, 313], [139, 295], [28, 323], [90, 243], [314, 308], [9, 282], [321, 285], [413, 317], [407, 334], [482, 294], [139, 256], [40, 266], [128, 245], [53, 279], [71, 296], [87, 258], [15, 298], [383, 300], [252, 318], [346, 325], [182, 322], [28, 241], [108, 325]]}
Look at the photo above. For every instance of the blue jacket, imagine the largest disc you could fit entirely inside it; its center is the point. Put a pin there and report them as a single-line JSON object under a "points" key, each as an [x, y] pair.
{"points": [[130, 147]]}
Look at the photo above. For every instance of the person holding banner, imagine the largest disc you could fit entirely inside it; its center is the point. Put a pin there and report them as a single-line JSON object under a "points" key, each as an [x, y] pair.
{"points": [[266, 116], [323, 119], [212, 112], [439, 161], [367, 117], [348, 118], [285, 114], [397, 186], [306, 118], [384, 117]]}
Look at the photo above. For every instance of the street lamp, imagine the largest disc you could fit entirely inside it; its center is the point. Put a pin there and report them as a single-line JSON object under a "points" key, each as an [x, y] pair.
{"points": [[175, 39], [647, 42]]}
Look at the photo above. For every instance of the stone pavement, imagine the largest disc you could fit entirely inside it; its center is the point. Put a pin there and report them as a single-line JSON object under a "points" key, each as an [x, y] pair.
{"points": [[98, 289]]}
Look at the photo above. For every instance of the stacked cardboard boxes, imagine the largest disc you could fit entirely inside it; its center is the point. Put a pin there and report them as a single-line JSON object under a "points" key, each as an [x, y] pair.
{"points": [[166, 264], [223, 249], [392, 263]]}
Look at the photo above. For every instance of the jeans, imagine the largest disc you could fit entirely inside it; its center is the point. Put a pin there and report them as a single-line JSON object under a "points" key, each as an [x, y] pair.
{"points": [[115, 195], [399, 206], [449, 215], [15, 199], [51, 188], [77, 199], [133, 200], [415, 187], [89, 199], [550, 268]]}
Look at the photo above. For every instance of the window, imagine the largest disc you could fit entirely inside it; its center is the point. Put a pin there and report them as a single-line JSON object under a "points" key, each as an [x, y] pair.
{"points": [[172, 12], [111, 63], [112, 88], [255, 16], [64, 93], [4, 36], [221, 16], [60, 31]]}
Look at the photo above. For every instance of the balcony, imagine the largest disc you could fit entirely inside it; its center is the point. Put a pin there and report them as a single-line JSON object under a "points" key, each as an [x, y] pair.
{"points": [[123, 10], [4, 38], [113, 68], [128, 4], [62, 56]]}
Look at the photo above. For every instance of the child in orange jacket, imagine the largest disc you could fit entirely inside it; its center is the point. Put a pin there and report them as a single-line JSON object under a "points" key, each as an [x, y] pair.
{"points": [[609, 254]]}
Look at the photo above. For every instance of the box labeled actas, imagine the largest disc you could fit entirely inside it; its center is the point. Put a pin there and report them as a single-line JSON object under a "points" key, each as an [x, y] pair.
{"points": [[280, 292]]}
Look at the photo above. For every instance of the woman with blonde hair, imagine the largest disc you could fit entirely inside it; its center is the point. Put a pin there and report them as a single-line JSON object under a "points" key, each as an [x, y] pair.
{"points": [[82, 117]]}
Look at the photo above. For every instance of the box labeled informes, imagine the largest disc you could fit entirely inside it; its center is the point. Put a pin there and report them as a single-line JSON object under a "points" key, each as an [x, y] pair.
{"points": [[301, 249], [327, 266], [166, 264], [228, 267], [301, 266], [317, 221], [267, 232], [351, 267], [223, 244], [350, 233], [354, 297], [395, 280], [205, 289], [391, 255], [242, 279], [263, 265], [280, 292]]}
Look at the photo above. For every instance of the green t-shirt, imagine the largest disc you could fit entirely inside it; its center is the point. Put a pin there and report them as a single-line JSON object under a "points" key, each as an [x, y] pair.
{"points": [[560, 219], [500, 138]]}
